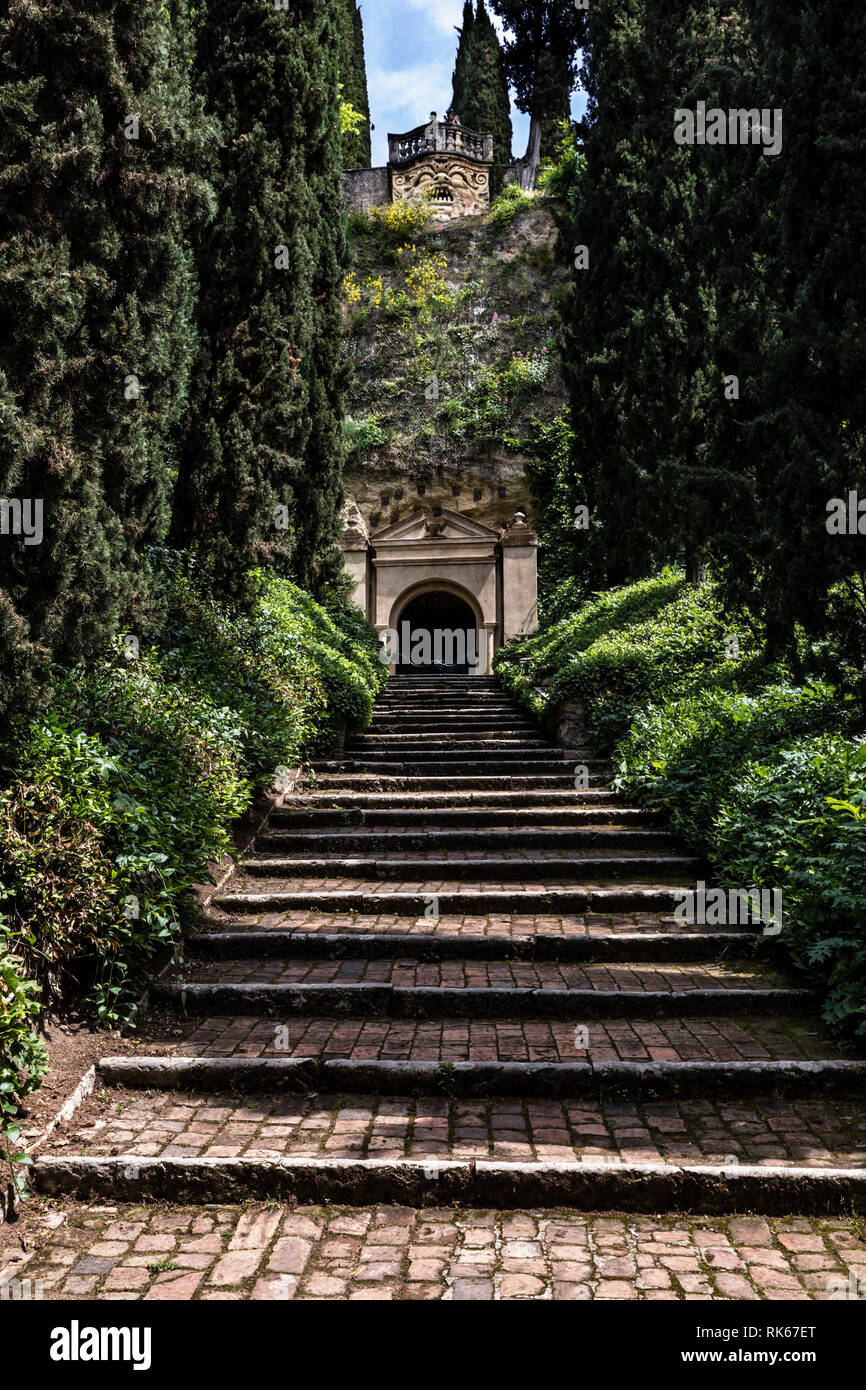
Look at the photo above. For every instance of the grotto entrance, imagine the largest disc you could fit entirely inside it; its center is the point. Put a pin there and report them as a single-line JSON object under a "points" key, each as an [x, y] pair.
{"points": [[437, 635]]}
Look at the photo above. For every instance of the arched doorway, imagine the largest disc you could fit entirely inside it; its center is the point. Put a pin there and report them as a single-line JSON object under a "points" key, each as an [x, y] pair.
{"points": [[437, 633]]}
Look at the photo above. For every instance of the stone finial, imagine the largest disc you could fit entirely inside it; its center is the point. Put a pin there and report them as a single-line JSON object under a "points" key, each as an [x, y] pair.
{"points": [[518, 533]]}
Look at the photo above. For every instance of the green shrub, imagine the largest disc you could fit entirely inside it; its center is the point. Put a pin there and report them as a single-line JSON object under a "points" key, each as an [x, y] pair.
{"points": [[23, 1059], [115, 802], [763, 776], [507, 205]]}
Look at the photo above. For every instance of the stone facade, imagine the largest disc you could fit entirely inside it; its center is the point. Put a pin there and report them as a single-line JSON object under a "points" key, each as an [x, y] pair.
{"points": [[493, 572], [443, 161]]}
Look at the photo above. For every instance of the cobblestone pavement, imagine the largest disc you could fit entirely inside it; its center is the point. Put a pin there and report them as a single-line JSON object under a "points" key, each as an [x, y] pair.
{"points": [[807, 1133], [389, 1252]]}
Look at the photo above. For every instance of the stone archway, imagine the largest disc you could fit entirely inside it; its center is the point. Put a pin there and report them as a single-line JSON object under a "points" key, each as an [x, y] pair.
{"points": [[440, 628]]}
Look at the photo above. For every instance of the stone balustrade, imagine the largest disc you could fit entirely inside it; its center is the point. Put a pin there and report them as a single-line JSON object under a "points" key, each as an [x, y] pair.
{"points": [[440, 136]]}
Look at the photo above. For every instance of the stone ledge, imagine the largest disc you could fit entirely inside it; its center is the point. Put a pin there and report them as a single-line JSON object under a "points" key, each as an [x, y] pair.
{"points": [[647, 1188], [538, 1079]]}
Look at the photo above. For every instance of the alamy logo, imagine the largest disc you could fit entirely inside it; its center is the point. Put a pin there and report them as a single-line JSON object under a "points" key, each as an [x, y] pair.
{"points": [[713, 907], [416, 647], [846, 516], [22, 517], [734, 127], [77, 1343]]}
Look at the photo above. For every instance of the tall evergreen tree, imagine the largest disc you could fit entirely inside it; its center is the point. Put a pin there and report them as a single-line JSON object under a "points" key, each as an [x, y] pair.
{"points": [[802, 428], [461, 81], [261, 439], [645, 360], [480, 87], [97, 296], [353, 77], [541, 57]]}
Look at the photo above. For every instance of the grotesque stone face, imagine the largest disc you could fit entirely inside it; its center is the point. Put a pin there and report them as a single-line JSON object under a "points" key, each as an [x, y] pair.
{"points": [[457, 187]]}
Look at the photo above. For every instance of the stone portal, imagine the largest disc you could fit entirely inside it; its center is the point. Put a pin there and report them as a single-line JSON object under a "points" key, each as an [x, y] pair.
{"points": [[492, 574]]}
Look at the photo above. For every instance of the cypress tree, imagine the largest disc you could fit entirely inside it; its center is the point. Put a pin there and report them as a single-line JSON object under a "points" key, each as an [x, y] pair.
{"points": [[260, 460], [480, 87], [96, 280], [643, 351], [461, 82], [353, 76], [541, 57], [802, 432]]}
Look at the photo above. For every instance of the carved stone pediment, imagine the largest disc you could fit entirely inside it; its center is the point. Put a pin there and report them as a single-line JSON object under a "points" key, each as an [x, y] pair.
{"points": [[450, 526]]}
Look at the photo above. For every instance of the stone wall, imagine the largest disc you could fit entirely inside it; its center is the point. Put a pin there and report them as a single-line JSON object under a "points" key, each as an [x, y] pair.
{"points": [[366, 188]]}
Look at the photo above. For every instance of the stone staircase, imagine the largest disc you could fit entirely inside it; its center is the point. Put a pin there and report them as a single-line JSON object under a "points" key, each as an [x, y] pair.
{"points": [[443, 975]]}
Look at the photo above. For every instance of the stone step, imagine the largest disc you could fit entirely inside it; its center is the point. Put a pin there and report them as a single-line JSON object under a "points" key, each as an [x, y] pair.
{"points": [[466, 780], [551, 865], [460, 808], [430, 1002], [601, 799], [397, 838], [734, 1080], [446, 762], [820, 1133], [405, 745], [345, 939], [386, 897], [442, 818], [403, 716], [413, 726]]}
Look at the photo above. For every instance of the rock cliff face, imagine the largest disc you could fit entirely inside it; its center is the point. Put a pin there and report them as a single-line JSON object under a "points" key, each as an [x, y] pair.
{"points": [[453, 359]]}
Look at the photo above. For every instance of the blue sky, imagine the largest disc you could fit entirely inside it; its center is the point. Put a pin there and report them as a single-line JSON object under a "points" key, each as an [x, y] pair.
{"points": [[410, 47]]}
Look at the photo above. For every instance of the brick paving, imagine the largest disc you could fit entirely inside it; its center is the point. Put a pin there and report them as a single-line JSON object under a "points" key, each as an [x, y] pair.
{"points": [[178, 1125], [489, 924], [770, 1038], [381, 887], [269, 1252], [679, 977]]}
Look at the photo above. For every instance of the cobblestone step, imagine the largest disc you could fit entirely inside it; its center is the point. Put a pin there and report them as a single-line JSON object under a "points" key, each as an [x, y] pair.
{"points": [[500, 977], [333, 938], [824, 1133], [691, 1036], [398, 839], [547, 864], [469, 1253]]}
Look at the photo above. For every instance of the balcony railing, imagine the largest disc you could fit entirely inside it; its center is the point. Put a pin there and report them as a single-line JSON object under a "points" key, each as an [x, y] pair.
{"points": [[443, 137]]}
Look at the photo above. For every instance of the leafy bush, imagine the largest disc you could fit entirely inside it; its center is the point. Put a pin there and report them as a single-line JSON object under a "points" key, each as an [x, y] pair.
{"points": [[115, 802], [400, 219], [507, 205], [763, 776], [363, 435], [23, 1059]]}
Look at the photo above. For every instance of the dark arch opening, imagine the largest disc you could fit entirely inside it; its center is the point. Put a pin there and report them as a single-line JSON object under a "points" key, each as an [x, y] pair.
{"points": [[437, 633]]}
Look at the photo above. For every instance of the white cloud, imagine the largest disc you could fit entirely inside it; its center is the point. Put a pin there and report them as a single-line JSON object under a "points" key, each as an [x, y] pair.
{"points": [[442, 15], [417, 90]]}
